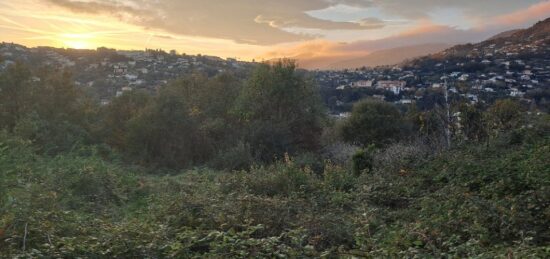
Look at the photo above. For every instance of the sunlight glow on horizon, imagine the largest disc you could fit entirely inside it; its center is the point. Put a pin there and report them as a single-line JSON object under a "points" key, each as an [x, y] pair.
{"points": [[40, 23], [55, 27], [77, 40]]}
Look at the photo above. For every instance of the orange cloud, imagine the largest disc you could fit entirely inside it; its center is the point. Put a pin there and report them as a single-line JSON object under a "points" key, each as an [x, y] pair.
{"points": [[314, 54], [534, 12], [424, 26], [314, 48]]}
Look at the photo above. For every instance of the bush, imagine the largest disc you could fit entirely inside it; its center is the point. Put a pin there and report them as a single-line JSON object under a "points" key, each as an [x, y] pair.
{"points": [[363, 161], [374, 123], [236, 158]]}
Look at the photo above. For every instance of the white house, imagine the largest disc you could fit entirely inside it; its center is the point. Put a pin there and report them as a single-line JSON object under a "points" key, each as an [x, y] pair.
{"points": [[361, 84], [395, 86]]}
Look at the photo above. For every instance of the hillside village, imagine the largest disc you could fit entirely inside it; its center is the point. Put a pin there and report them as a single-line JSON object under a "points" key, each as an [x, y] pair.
{"points": [[517, 66], [511, 66], [108, 73]]}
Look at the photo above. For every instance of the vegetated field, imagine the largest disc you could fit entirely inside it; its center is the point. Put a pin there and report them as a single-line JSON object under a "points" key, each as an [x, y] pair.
{"points": [[470, 201]]}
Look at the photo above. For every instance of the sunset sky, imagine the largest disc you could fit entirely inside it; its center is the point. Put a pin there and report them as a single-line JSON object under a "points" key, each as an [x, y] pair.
{"points": [[261, 29]]}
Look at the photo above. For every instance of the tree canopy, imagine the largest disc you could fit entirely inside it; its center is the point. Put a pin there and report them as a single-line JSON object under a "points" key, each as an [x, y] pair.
{"points": [[374, 123]]}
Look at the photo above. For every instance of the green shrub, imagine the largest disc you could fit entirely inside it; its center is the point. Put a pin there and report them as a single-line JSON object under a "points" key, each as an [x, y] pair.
{"points": [[238, 157], [362, 161]]}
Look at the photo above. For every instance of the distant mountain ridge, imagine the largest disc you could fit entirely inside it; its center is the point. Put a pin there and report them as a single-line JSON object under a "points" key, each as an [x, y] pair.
{"points": [[390, 56], [505, 34]]}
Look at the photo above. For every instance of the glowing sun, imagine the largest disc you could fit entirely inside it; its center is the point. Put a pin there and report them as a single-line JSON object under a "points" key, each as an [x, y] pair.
{"points": [[77, 40]]}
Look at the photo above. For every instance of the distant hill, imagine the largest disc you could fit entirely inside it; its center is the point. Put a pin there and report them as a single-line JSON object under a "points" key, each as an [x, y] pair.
{"points": [[530, 42], [540, 30], [390, 56], [505, 34]]}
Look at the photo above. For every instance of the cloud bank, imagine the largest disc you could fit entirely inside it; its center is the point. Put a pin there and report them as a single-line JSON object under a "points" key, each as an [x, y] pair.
{"points": [[268, 22]]}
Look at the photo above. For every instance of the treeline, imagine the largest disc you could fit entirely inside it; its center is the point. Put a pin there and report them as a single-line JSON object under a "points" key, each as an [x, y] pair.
{"points": [[224, 122], [221, 121]]}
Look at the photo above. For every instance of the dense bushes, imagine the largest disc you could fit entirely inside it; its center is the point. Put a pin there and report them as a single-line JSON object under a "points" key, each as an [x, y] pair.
{"points": [[76, 206], [475, 200], [374, 123], [195, 120]]}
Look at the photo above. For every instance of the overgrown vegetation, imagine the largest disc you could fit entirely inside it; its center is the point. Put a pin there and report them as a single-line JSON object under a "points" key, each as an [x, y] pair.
{"points": [[223, 168]]}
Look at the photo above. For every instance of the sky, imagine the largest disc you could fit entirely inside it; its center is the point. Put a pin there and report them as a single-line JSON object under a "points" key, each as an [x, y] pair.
{"points": [[261, 29]]}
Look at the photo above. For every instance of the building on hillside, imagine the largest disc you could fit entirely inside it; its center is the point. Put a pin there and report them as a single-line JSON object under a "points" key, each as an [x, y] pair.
{"points": [[395, 86], [405, 101], [361, 84]]}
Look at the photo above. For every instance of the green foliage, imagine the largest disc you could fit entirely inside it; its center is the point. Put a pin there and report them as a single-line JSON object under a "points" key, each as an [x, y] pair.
{"points": [[471, 119], [503, 115], [115, 117], [238, 157], [374, 123], [468, 202], [363, 161], [65, 194], [281, 111], [165, 134], [15, 91], [430, 123], [51, 137], [48, 110]]}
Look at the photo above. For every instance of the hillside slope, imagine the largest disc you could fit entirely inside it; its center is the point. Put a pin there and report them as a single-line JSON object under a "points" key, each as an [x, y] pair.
{"points": [[532, 41], [474, 201], [390, 56]]}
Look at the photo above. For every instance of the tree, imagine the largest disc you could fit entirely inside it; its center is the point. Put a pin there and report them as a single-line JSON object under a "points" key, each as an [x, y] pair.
{"points": [[165, 134], [188, 123], [281, 111], [471, 120], [373, 122], [58, 99], [210, 101], [15, 95], [502, 116], [116, 116], [60, 117]]}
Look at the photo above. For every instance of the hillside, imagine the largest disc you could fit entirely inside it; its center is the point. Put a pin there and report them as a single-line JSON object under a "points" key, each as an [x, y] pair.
{"points": [[532, 41], [505, 34], [390, 56], [513, 64], [474, 201], [109, 72]]}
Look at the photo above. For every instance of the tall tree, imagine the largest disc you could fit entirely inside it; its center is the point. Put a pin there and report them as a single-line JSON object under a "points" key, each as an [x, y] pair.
{"points": [[165, 135], [15, 95], [116, 116], [281, 109], [60, 116], [471, 120]]}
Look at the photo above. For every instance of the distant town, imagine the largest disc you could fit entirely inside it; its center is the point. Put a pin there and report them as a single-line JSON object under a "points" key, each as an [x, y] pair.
{"points": [[109, 73], [480, 73]]}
